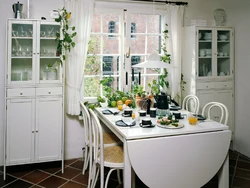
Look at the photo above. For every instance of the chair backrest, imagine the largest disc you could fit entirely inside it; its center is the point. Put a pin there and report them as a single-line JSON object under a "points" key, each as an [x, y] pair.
{"points": [[206, 111], [97, 133], [191, 103], [86, 120]]}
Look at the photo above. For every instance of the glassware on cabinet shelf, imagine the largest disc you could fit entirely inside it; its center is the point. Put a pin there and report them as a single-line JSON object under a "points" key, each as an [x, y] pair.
{"points": [[25, 75]]}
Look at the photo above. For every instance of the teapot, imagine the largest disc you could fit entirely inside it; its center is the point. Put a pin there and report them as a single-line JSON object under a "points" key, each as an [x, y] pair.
{"points": [[163, 100]]}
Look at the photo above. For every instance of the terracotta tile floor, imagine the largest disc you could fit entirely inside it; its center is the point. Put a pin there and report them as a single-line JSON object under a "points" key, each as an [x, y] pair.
{"points": [[49, 175]]}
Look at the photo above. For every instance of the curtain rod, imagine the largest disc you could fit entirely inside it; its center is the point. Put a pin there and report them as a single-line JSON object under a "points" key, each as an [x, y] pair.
{"points": [[167, 2]]}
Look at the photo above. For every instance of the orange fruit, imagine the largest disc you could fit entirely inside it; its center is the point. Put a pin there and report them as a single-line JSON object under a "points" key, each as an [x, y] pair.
{"points": [[127, 102]]}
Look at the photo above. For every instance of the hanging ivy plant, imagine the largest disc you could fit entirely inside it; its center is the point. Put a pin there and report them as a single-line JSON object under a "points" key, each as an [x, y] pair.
{"points": [[66, 35]]}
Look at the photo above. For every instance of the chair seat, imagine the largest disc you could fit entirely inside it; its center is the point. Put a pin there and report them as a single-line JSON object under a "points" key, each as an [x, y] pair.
{"points": [[110, 138], [113, 157]]}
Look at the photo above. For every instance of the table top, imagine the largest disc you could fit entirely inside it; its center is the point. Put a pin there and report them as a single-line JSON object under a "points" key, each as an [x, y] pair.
{"points": [[137, 132]]}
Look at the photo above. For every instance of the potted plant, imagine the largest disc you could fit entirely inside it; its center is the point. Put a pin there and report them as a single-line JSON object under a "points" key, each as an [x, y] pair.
{"points": [[66, 34]]}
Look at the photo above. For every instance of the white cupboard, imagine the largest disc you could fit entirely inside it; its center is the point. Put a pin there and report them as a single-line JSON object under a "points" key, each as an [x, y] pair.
{"points": [[34, 87], [208, 66]]}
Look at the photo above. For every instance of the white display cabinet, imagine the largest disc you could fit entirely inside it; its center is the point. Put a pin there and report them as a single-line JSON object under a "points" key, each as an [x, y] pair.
{"points": [[34, 126], [208, 66]]}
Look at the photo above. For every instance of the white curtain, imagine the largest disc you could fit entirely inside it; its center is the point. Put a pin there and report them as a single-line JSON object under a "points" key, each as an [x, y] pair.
{"points": [[81, 18], [175, 23]]}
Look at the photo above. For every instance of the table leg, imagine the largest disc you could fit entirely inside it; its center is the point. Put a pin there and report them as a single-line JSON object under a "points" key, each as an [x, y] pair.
{"points": [[127, 168], [224, 174]]}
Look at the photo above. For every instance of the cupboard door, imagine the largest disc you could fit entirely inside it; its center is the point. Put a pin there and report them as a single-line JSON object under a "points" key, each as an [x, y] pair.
{"points": [[224, 67], [50, 67], [205, 51], [205, 96], [20, 131], [49, 128], [21, 52]]}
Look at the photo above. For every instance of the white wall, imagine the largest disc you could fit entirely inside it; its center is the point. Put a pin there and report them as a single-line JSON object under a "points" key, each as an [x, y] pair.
{"points": [[238, 17]]}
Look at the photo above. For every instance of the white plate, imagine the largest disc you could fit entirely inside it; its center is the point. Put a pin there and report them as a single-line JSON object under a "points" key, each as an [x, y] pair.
{"points": [[170, 126]]}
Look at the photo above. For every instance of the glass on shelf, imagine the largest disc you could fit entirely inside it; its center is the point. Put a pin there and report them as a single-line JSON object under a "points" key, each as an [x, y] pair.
{"points": [[49, 73]]}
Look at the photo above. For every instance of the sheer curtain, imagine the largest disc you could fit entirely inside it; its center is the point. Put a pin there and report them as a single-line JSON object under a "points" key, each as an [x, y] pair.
{"points": [[175, 23], [81, 18]]}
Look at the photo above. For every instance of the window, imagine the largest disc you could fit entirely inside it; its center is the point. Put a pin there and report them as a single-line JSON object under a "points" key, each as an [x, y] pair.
{"points": [[111, 26], [110, 55], [133, 29], [107, 65]]}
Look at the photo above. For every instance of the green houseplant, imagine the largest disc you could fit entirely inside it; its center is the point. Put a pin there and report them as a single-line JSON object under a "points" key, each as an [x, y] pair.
{"points": [[66, 34]]}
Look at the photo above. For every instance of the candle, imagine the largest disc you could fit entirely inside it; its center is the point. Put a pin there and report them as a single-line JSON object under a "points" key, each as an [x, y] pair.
{"points": [[126, 78], [133, 75], [139, 78]]}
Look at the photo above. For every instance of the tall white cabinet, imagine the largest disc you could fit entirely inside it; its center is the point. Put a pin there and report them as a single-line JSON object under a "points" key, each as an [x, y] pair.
{"points": [[34, 126], [208, 66]]}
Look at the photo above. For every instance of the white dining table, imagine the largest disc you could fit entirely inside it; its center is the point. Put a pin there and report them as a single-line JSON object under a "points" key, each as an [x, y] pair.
{"points": [[187, 157]]}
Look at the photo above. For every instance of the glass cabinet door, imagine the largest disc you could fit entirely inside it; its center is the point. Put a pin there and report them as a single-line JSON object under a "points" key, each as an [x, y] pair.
{"points": [[223, 53], [20, 52], [205, 45], [50, 68]]}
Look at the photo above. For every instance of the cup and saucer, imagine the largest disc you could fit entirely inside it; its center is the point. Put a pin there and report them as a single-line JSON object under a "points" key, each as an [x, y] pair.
{"points": [[127, 112], [146, 123]]}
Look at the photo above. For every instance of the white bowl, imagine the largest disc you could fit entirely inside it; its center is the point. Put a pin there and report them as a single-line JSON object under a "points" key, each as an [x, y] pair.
{"points": [[104, 104]]}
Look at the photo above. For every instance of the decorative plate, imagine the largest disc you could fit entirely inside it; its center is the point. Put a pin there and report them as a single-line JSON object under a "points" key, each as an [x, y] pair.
{"points": [[170, 126]]}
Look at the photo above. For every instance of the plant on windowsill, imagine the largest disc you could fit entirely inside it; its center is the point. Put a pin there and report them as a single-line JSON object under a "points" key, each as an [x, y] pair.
{"points": [[66, 34], [114, 97]]}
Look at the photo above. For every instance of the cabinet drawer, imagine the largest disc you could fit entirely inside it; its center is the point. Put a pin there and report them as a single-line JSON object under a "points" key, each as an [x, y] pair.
{"points": [[207, 85], [21, 92], [49, 91], [223, 85]]}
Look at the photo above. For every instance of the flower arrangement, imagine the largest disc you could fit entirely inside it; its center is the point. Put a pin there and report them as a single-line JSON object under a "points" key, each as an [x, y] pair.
{"points": [[66, 34]]}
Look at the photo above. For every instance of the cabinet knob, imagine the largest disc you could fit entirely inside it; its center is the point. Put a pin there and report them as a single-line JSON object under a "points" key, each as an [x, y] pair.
{"points": [[33, 131], [49, 92], [36, 131], [225, 85], [21, 93], [206, 86]]}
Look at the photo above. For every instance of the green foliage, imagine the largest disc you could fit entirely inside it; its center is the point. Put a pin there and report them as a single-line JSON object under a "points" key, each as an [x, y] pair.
{"points": [[113, 95], [68, 33], [138, 90]]}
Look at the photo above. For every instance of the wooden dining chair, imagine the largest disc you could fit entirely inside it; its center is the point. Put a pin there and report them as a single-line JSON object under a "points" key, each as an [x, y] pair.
{"points": [[191, 103], [111, 157], [223, 112], [109, 138]]}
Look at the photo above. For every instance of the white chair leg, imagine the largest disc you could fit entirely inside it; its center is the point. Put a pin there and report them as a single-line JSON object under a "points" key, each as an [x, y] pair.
{"points": [[86, 160], [119, 176], [95, 178], [107, 179]]}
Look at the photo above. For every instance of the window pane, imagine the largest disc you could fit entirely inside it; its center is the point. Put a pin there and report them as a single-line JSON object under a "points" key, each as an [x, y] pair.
{"points": [[138, 45], [96, 26], [114, 20], [149, 79], [140, 21], [110, 45], [91, 87], [94, 45], [92, 66], [154, 25], [154, 44], [110, 65]]}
